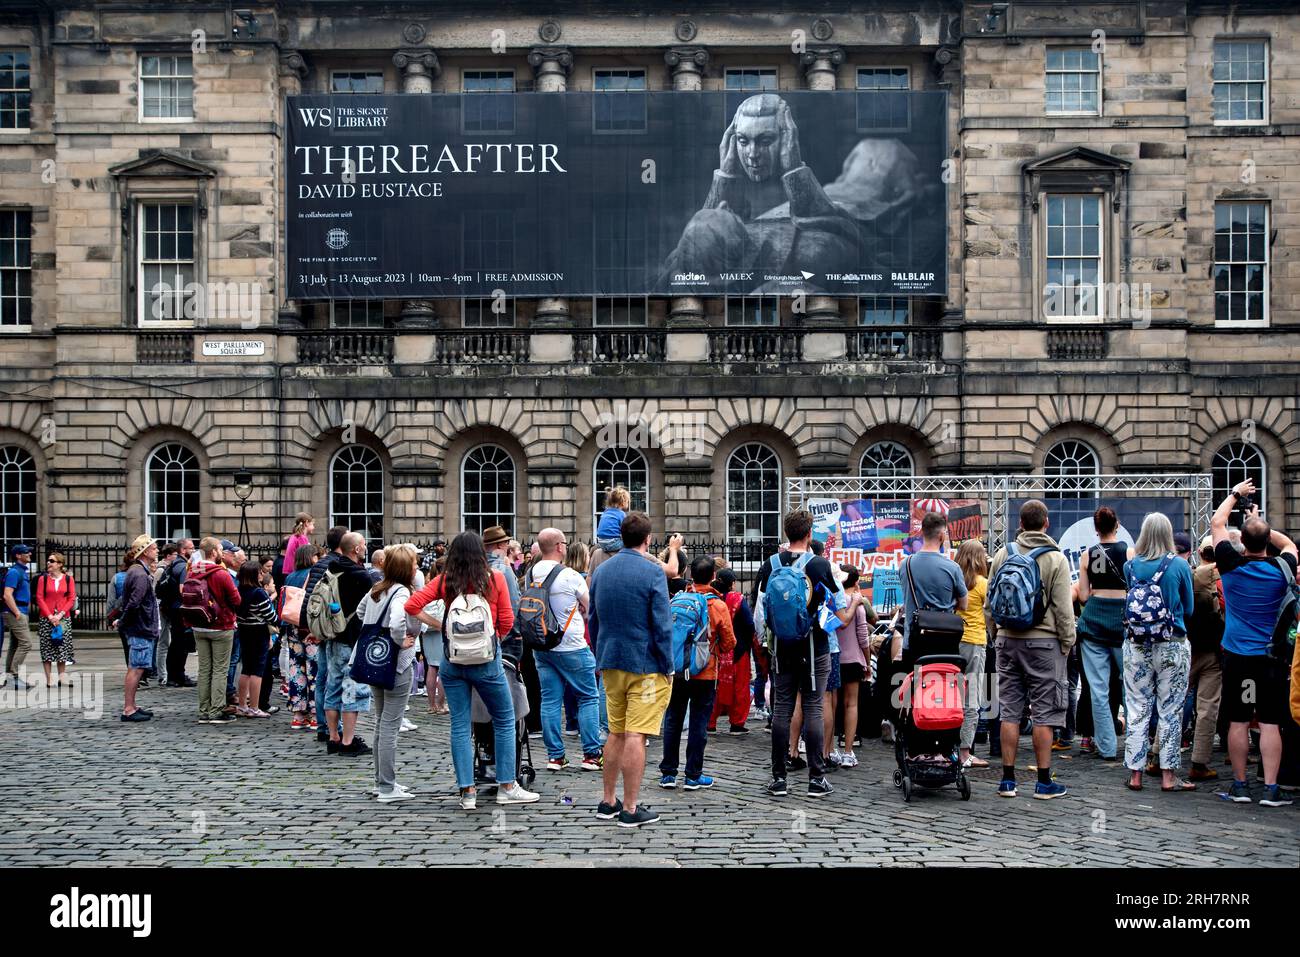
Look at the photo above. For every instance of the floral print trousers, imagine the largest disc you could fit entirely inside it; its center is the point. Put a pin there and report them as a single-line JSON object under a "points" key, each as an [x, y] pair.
{"points": [[1155, 677], [302, 671]]}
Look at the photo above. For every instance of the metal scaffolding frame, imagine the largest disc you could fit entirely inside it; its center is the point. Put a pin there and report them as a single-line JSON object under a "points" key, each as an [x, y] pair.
{"points": [[997, 491]]}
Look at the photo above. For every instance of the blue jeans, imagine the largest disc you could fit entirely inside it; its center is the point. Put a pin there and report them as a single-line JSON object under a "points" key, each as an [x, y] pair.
{"points": [[489, 680], [600, 697], [230, 672], [1098, 660], [699, 696], [559, 671]]}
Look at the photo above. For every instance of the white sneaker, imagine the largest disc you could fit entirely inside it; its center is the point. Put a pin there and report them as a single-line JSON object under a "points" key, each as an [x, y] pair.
{"points": [[469, 802], [803, 748], [408, 725], [407, 708], [396, 795], [516, 795], [397, 787], [848, 760]]}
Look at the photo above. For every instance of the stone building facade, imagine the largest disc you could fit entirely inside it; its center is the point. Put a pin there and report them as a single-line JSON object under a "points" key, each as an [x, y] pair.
{"points": [[1170, 128]]}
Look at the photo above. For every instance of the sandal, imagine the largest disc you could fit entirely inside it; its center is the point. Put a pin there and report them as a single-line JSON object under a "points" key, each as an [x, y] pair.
{"points": [[1179, 786], [974, 762], [1134, 787]]}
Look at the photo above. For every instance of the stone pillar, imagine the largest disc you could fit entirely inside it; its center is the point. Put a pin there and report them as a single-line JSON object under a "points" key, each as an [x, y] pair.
{"points": [[819, 65], [687, 64], [419, 68], [552, 66], [293, 70], [552, 500]]}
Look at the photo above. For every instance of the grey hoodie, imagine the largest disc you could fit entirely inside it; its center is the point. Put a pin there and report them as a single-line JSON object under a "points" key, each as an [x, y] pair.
{"points": [[1054, 568]]}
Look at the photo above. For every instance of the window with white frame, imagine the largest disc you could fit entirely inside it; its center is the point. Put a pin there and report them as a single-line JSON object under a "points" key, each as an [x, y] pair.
{"points": [[882, 98], [15, 268], [1234, 463], [887, 460], [171, 493], [487, 489], [15, 90], [165, 261], [1240, 75], [166, 87], [754, 494], [17, 498], [1070, 470], [356, 313], [623, 110], [1241, 263], [620, 466], [1074, 270], [750, 78], [357, 81], [1073, 82], [488, 114], [357, 492], [753, 311]]}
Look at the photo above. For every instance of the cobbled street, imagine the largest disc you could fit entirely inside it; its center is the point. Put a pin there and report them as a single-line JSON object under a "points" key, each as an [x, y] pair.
{"points": [[171, 792]]}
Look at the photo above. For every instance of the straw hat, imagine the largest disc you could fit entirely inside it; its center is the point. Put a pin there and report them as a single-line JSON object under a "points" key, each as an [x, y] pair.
{"points": [[139, 547]]}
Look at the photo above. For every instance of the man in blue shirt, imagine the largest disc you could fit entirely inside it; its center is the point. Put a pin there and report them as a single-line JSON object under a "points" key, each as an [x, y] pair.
{"points": [[1255, 586], [17, 604], [631, 631]]}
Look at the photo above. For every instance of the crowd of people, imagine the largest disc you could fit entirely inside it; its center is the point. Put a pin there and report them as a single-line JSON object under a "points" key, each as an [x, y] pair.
{"points": [[617, 646]]}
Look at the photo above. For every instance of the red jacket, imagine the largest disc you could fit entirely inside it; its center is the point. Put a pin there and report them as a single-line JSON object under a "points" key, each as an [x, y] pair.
{"points": [[498, 599], [724, 636], [224, 593], [51, 599]]}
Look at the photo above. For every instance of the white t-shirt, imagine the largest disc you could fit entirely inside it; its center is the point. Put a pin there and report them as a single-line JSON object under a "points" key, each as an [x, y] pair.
{"points": [[566, 590]]}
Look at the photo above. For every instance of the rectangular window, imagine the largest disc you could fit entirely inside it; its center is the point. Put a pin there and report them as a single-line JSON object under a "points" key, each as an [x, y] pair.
{"points": [[882, 98], [356, 313], [620, 248], [165, 261], [166, 87], [488, 240], [1240, 81], [15, 90], [356, 81], [488, 313], [1074, 256], [753, 311], [1073, 82], [15, 268], [615, 311], [1241, 263], [488, 114], [751, 78], [883, 310], [623, 109]]}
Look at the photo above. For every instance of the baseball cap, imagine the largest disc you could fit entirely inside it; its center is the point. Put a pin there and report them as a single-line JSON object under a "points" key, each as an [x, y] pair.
{"points": [[20, 549], [228, 546], [1182, 543]]}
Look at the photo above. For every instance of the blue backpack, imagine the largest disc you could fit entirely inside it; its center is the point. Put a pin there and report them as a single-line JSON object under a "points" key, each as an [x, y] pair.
{"points": [[1146, 614], [692, 641], [786, 599], [1015, 595]]}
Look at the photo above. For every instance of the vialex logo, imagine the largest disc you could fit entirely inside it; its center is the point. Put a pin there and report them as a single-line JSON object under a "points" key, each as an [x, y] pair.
{"points": [[75, 910]]}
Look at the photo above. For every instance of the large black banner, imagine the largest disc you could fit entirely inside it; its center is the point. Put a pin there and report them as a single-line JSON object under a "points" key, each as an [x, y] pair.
{"points": [[574, 194]]}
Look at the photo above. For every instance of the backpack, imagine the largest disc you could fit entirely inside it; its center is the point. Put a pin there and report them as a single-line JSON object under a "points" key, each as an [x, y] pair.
{"points": [[535, 620], [198, 609], [1206, 631], [1146, 615], [168, 590], [692, 636], [325, 618], [1282, 647], [113, 607], [786, 599], [1015, 593], [468, 635]]}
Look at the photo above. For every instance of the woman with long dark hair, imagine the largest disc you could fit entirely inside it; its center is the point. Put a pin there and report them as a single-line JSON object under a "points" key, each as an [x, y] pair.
{"points": [[253, 625], [467, 577]]}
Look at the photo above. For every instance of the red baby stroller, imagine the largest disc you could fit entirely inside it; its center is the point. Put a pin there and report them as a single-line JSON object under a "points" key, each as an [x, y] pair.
{"points": [[929, 732]]}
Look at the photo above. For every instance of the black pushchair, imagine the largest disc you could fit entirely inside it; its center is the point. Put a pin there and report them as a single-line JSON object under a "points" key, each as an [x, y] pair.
{"points": [[929, 728], [485, 737]]}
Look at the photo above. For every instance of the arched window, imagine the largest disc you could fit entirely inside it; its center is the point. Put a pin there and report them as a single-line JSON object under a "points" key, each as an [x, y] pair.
{"points": [[887, 460], [754, 495], [487, 489], [357, 492], [17, 498], [171, 493], [1070, 468], [620, 466], [1235, 462]]}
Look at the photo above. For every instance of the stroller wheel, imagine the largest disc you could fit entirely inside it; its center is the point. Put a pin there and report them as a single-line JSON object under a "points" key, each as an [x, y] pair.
{"points": [[898, 779], [529, 775], [907, 789], [963, 787]]}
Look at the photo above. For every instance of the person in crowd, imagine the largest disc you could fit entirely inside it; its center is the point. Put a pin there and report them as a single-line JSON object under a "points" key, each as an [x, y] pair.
{"points": [[1155, 671], [696, 691], [1205, 677], [281, 564], [514, 555], [214, 641], [973, 560], [138, 622], [56, 600], [272, 668], [617, 501], [496, 543], [1102, 589], [345, 699], [800, 663], [17, 611], [570, 664], [253, 625], [1255, 592], [467, 573], [385, 604], [579, 559], [930, 580], [233, 558], [1183, 547], [325, 562], [734, 686], [1032, 661], [180, 640], [376, 567], [676, 563], [855, 664], [303, 649], [165, 557], [431, 652], [304, 527]]}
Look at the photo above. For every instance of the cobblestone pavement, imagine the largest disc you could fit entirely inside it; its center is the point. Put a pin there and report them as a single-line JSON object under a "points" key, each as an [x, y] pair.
{"points": [[83, 791]]}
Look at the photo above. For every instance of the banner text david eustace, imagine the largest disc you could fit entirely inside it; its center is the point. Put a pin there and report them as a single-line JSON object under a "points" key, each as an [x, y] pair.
{"points": [[75, 910]]}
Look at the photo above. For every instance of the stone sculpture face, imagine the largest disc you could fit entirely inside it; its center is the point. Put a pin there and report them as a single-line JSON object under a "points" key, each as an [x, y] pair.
{"points": [[758, 145]]}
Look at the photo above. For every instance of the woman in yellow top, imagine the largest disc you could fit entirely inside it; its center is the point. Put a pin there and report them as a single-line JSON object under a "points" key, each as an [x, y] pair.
{"points": [[973, 560]]}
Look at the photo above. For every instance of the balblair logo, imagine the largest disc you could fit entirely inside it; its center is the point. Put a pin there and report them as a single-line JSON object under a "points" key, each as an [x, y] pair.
{"points": [[74, 911]]}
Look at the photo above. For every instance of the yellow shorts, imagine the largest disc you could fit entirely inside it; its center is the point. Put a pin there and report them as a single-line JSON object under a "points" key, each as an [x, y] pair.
{"points": [[636, 703]]}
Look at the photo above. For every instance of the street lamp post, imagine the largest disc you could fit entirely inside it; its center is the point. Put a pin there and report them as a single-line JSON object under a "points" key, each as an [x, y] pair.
{"points": [[243, 492]]}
